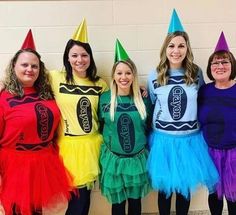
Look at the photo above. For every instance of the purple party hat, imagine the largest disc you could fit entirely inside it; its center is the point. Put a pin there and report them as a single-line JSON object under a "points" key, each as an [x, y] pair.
{"points": [[221, 44]]}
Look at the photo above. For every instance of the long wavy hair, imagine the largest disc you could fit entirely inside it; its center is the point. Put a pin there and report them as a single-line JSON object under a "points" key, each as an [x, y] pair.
{"points": [[190, 68], [42, 84], [135, 91], [92, 69]]}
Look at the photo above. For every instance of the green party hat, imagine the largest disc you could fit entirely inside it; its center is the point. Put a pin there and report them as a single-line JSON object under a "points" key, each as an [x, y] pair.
{"points": [[120, 53]]}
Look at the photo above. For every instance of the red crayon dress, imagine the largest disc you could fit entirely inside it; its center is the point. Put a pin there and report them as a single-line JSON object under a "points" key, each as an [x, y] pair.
{"points": [[33, 175]]}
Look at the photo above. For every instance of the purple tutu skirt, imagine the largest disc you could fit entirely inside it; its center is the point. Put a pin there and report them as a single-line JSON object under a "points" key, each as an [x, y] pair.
{"points": [[225, 162]]}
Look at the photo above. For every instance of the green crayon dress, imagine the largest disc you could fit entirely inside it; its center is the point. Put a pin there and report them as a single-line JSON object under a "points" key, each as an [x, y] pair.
{"points": [[123, 154]]}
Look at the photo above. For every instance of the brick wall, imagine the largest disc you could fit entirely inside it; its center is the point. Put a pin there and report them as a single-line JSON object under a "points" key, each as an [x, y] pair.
{"points": [[141, 27]]}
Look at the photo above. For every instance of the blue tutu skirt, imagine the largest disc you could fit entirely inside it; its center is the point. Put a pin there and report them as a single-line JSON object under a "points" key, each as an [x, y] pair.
{"points": [[180, 164]]}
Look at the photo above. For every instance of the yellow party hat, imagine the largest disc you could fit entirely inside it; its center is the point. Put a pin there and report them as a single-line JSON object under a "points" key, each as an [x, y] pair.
{"points": [[81, 33]]}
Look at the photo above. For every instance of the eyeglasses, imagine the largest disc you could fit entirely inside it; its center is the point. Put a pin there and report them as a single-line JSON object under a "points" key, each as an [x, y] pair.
{"points": [[224, 63]]}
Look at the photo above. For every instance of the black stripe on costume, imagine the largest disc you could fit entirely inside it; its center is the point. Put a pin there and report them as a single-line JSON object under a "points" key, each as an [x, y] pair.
{"points": [[176, 126], [16, 100], [80, 90], [124, 107], [32, 147]]}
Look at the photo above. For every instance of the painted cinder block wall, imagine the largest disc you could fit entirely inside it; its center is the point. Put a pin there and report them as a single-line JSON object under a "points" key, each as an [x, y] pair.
{"points": [[141, 27]]}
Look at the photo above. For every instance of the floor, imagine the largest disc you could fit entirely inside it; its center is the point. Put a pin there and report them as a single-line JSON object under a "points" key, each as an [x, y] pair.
{"points": [[191, 213]]}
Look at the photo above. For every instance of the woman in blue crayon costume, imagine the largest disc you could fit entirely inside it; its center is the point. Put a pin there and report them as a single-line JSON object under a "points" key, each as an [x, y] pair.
{"points": [[179, 161], [217, 116], [124, 114]]}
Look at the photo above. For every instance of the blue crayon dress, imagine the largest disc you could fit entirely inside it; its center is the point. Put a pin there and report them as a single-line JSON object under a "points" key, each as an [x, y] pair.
{"points": [[178, 161]]}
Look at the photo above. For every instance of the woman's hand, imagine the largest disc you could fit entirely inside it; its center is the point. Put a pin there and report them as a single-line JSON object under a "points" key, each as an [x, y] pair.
{"points": [[143, 91]]}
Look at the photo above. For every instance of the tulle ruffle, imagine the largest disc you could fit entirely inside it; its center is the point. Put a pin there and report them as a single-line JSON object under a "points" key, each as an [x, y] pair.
{"points": [[33, 180], [123, 177], [180, 164], [81, 157], [225, 161]]}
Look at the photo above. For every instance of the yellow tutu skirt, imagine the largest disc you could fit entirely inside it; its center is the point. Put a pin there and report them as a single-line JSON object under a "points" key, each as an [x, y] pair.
{"points": [[81, 157]]}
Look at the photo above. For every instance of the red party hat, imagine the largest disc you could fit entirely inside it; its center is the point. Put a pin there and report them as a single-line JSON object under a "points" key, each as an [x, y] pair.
{"points": [[29, 41]]}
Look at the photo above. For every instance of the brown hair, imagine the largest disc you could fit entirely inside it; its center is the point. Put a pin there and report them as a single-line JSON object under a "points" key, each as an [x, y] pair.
{"points": [[191, 69], [225, 55], [42, 84]]}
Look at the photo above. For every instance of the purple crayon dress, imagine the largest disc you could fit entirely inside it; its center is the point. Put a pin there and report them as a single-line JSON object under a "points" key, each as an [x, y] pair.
{"points": [[217, 116]]}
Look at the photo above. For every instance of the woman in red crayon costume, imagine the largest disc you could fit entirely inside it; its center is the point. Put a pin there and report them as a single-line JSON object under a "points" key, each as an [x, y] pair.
{"points": [[33, 175]]}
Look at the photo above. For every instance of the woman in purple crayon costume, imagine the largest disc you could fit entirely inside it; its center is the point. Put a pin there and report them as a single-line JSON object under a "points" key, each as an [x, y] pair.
{"points": [[217, 115]]}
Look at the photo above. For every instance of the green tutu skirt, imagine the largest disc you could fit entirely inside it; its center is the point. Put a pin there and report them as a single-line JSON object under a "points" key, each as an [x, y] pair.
{"points": [[123, 177]]}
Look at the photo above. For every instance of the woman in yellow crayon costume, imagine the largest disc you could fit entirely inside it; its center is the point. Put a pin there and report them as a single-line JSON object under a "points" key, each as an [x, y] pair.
{"points": [[77, 89]]}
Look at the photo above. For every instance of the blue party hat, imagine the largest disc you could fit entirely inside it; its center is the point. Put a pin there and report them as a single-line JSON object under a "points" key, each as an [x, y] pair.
{"points": [[175, 24]]}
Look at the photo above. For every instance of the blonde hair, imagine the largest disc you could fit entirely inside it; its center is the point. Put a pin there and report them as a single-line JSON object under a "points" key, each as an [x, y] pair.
{"points": [[135, 91], [190, 68]]}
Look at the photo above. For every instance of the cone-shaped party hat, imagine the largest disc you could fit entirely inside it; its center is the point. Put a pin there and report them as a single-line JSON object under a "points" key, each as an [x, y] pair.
{"points": [[120, 53], [28, 42], [175, 23], [81, 34], [221, 44]]}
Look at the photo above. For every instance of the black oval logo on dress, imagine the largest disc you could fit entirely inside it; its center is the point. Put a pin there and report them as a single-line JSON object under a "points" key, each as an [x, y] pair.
{"points": [[44, 121], [126, 133], [84, 114], [177, 102]]}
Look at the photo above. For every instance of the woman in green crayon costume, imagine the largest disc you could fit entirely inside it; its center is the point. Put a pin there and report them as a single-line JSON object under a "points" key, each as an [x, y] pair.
{"points": [[123, 114]]}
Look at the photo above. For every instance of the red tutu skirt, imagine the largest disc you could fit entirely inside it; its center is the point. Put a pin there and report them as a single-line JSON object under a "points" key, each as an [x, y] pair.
{"points": [[32, 180]]}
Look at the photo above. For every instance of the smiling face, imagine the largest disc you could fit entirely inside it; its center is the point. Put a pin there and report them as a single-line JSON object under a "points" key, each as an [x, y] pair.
{"points": [[176, 52], [123, 77], [27, 68], [221, 69], [79, 60]]}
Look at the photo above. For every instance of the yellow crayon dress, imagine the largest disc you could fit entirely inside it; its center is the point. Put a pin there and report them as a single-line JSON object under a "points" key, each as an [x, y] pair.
{"points": [[79, 137]]}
